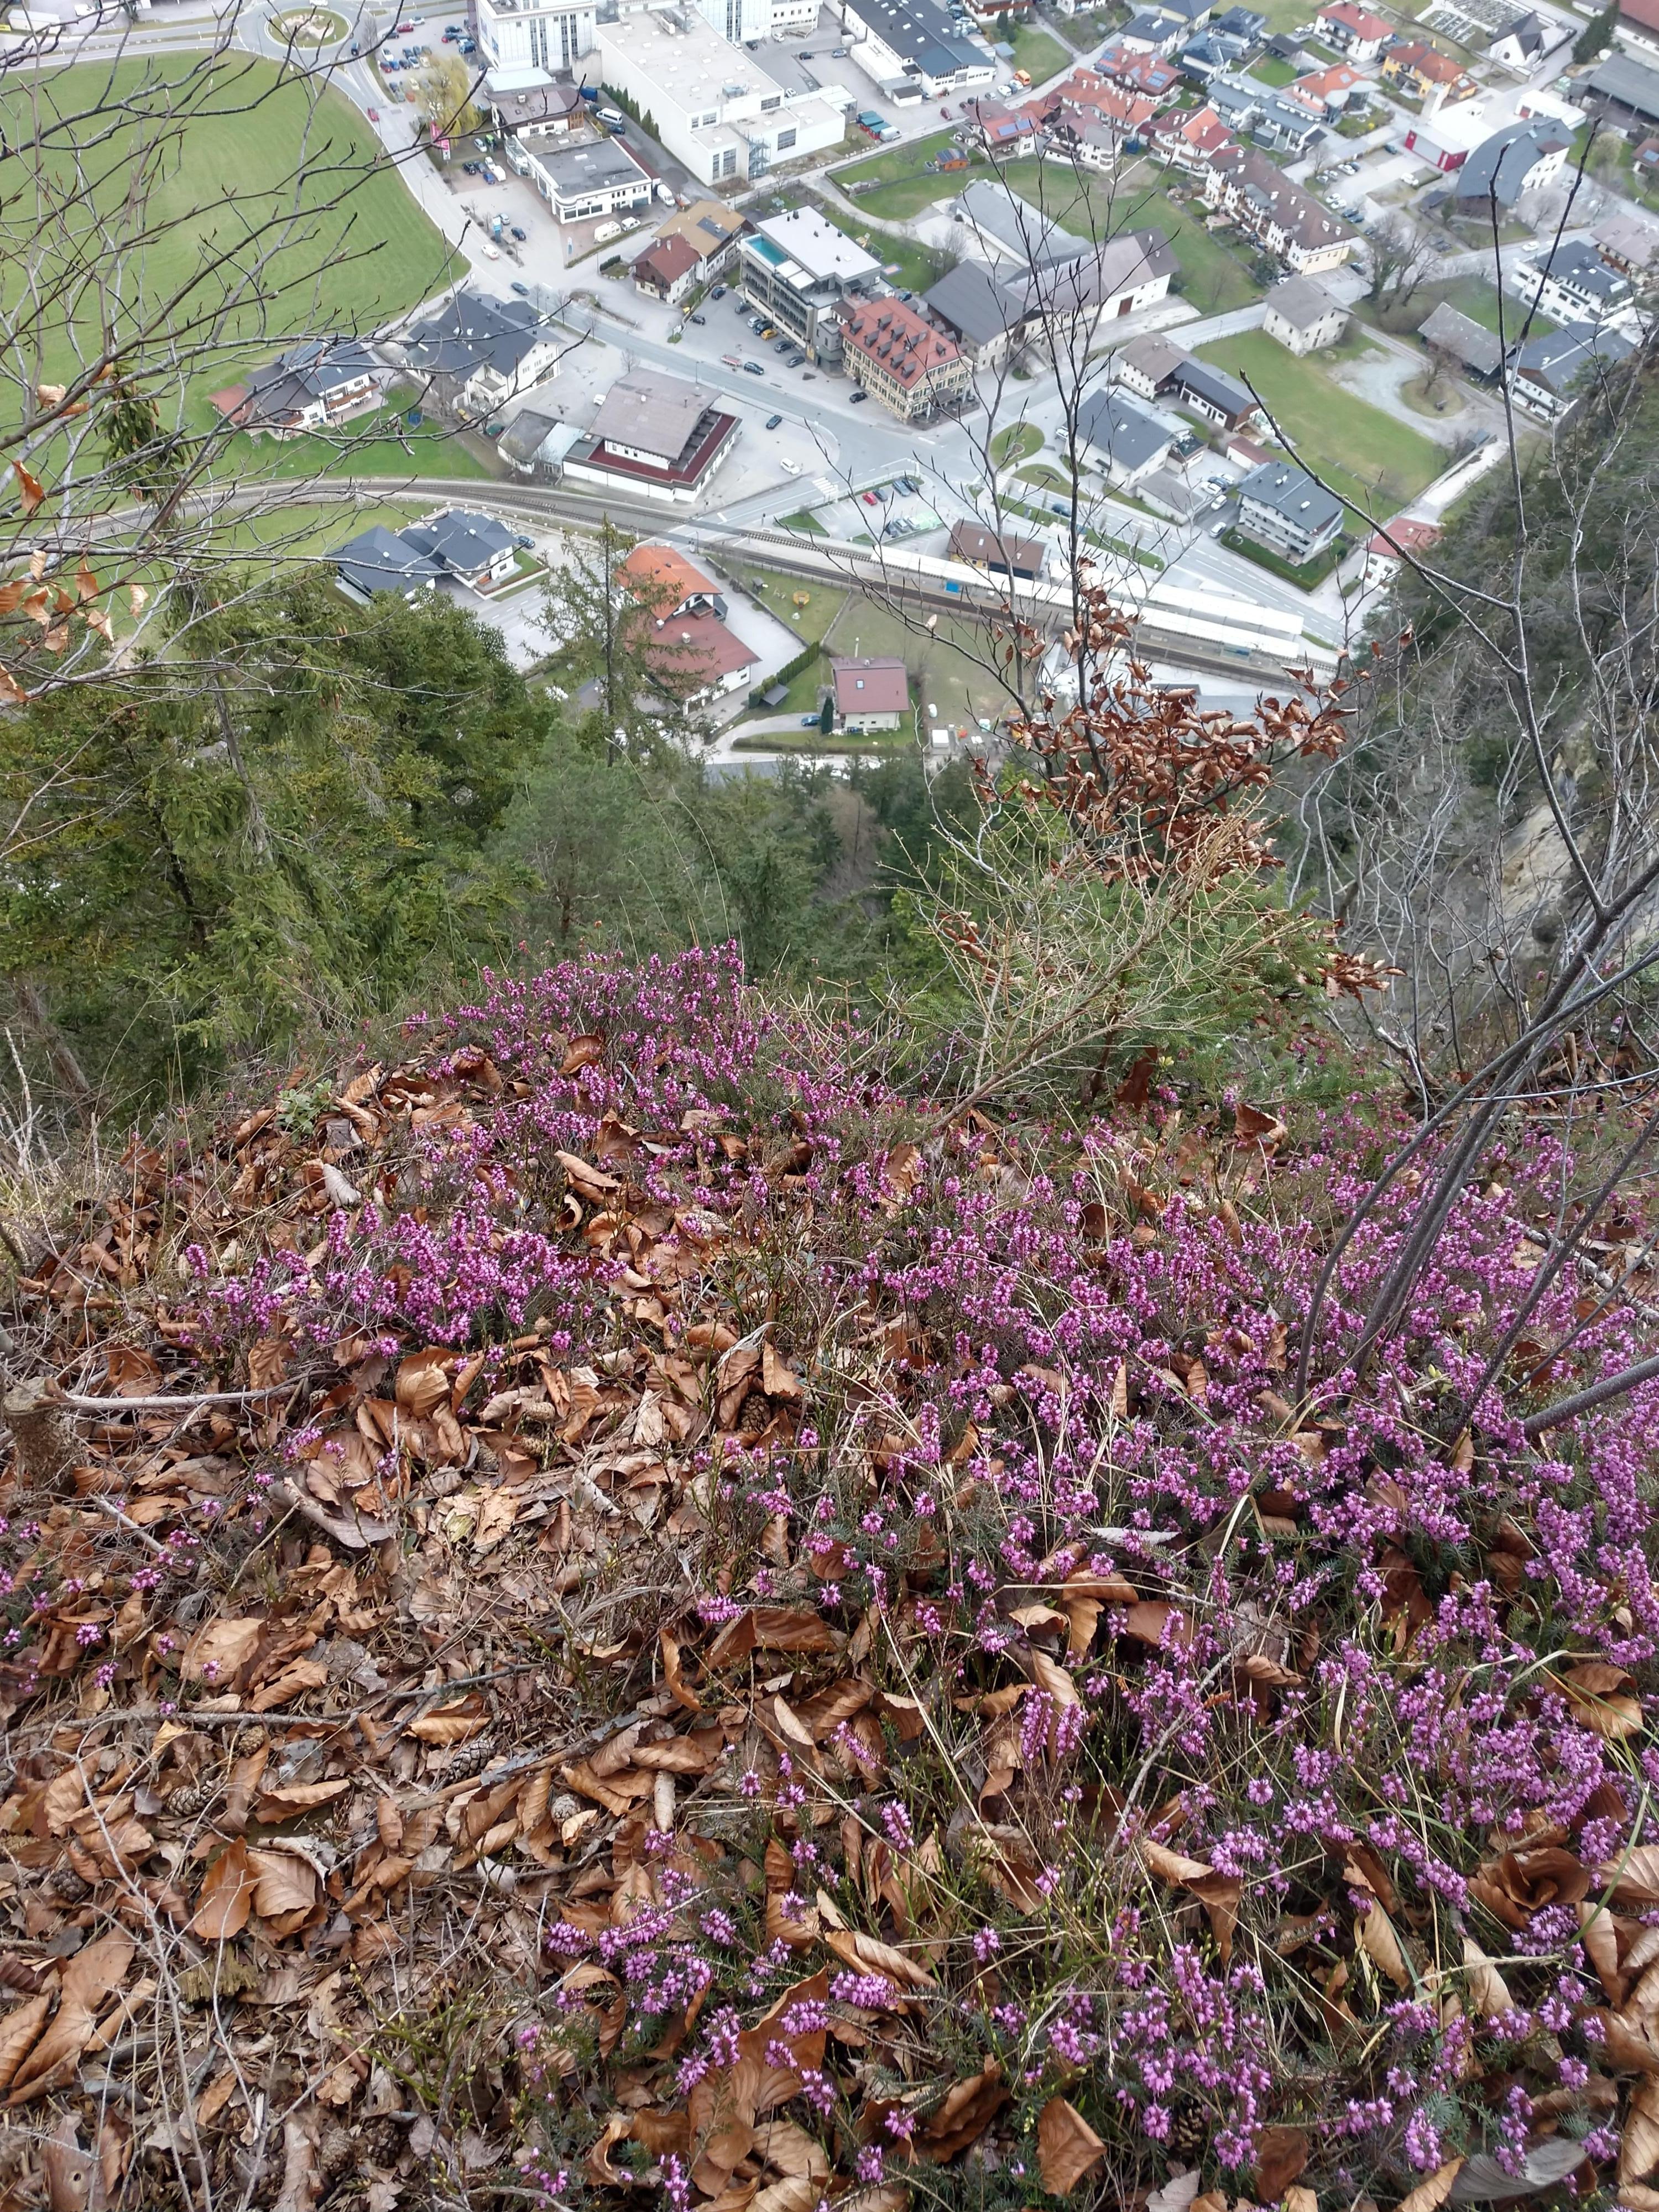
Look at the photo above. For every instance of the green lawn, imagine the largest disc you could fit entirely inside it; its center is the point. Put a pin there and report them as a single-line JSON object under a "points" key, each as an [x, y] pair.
{"points": [[1271, 70], [1471, 296], [1042, 56], [1016, 443], [1369, 459], [223, 146], [1213, 276], [355, 450], [915, 266], [905, 187]]}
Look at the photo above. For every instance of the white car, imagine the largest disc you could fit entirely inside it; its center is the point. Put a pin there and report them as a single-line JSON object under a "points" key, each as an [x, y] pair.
{"points": [[789, 467], [491, 251]]}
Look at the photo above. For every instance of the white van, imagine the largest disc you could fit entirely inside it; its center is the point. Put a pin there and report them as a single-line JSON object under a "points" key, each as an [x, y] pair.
{"points": [[611, 115]]}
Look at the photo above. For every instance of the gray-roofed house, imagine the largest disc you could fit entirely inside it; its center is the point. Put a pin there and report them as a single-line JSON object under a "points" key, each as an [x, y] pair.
{"points": [[475, 351], [1122, 439], [1285, 125], [379, 559], [315, 383], [1549, 375], [1522, 157], [1147, 364], [984, 316], [1477, 350], [528, 104], [1211, 393], [1629, 246], [1283, 509], [475, 549], [1302, 316], [1008, 228], [1573, 284], [1152, 31], [1119, 277], [1626, 86]]}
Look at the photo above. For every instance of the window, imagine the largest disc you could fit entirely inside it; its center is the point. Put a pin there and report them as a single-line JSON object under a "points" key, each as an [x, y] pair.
{"points": [[766, 106], [734, 21], [726, 165], [567, 39], [708, 122], [786, 139], [538, 43]]}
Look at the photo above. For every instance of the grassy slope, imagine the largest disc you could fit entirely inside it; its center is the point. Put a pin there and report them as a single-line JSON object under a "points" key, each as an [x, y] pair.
{"points": [[1370, 459], [349, 266]]}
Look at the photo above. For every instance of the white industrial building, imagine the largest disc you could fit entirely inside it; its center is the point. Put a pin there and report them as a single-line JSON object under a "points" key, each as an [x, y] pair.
{"points": [[543, 34], [913, 49], [722, 111]]}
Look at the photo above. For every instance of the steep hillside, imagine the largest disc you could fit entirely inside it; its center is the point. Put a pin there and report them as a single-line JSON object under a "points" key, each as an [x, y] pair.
{"points": [[614, 1611]]}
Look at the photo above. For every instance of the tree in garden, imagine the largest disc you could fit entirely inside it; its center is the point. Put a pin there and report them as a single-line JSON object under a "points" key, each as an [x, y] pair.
{"points": [[443, 93], [608, 604], [1597, 34], [827, 715]]}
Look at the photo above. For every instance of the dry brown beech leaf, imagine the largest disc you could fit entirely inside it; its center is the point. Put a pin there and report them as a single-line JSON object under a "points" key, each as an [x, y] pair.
{"points": [[1067, 2146]]}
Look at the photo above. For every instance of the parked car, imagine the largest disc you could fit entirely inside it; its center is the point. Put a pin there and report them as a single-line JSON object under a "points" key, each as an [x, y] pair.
{"points": [[837, 53], [856, 398], [768, 330], [795, 359], [945, 113], [772, 420], [468, 46], [521, 235], [490, 251], [472, 167], [869, 498], [404, 29], [524, 545], [809, 721], [699, 318], [718, 292], [373, 113], [783, 345], [790, 468], [753, 368], [756, 324], [522, 290], [494, 429]]}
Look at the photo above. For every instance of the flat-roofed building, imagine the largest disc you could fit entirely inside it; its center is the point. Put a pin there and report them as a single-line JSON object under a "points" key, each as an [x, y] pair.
{"points": [[600, 178], [723, 111], [797, 268], [656, 435]]}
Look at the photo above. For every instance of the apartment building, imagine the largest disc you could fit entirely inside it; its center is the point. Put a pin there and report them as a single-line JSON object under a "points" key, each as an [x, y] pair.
{"points": [[1282, 507], [727, 114], [1278, 214], [986, 319], [1302, 316], [474, 351], [541, 34], [797, 268], [1574, 285], [901, 359]]}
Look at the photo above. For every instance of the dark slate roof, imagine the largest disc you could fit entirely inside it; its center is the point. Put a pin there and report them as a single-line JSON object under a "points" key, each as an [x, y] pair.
{"points": [[1627, 84], [1465, 339], [471, 332], [311, 370], [526, 434], [919, 31], [1559, 360], [1113, 423], [1214, 384], [1582, 267], [1292, 493], [378, 559], [973, 303], [1500, 164], [462, 541], [1527, 32]]}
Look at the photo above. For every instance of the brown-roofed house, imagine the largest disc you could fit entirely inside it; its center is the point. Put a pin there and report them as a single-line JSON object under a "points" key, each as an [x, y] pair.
{"points": [[1279, 215], [654, 571], [698, 659], [870, 695], [711, 230], [1427, 75], [1001, 557], [913, 368], [666, 271]]}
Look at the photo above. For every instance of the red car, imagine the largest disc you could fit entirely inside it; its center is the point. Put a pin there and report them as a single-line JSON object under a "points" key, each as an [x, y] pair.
{"points": [[373, 113], [402, 28]]}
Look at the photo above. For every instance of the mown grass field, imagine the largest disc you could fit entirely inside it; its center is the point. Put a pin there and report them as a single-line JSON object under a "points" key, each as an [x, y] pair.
{"points": [[225, 151], [1213, 276]]}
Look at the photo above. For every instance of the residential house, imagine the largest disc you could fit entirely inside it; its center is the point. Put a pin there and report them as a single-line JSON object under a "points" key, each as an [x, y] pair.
{"points": [[1524, 43], [1146, 365], [656, 436], [1193, 14], [1005, 228], [1238, 101], [1211, 393], [586, 179], [1630, 246], [870, 695], [1279, 215], [1327, 93], [1150, 33], [1000, 131], [916, 42], [726, 113], [1352, 30], [665, 583], [1070, 300], [699, 660], [1122, 439], [916, 371], [1393, 544], [799, 269], [981, 314], [1302, 316], [475, 351], [1090, 115], [1248, 25], [1282, 507], [1211, 52], [1573, 284], [377, 560], [1637, 25], [1143, 73], [1476, 350], [1646, 157], [1548, 376], [666, 271], [1285, 125], [527, 104], [1018, 557], [712, 229], [1188, 138], [1425, 74], [1522, 157], [476, 549], [1623, 88], [309, 387]]}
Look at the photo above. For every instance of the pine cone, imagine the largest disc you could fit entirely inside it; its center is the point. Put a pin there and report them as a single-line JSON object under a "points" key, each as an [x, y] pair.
{"points": [[191, 1798], [1190, 2130], [66, 1887]]}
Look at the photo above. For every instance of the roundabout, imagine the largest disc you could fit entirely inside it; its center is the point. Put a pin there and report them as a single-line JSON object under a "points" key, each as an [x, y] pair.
{"points": [[308, 26]]}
